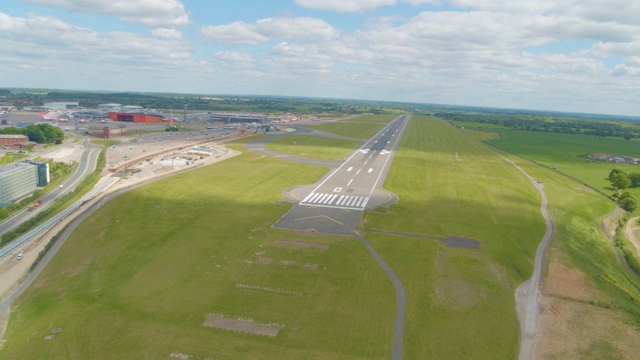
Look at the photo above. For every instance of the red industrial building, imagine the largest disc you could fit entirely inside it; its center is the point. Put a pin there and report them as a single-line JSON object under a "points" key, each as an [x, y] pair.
{"points": [[12, 139], [136, 117]]}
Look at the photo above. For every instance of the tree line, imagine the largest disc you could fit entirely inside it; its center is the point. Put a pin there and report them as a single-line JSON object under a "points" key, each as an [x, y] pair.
{"points": [[546, 123], [39, 133], [620, 181]]}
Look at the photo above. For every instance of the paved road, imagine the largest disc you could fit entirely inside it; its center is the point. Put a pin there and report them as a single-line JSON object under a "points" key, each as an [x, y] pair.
{"points": [[86, 165], [335, 204]]}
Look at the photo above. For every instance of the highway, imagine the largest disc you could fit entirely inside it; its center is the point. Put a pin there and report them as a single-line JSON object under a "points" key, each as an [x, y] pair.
{"points": [[351, 185], [86, 165]]}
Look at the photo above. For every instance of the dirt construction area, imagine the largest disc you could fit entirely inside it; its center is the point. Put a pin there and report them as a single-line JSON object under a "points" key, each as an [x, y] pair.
{"points": [[576, 323]]}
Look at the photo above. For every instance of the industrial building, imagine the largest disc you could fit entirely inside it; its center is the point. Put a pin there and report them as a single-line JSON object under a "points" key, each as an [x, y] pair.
{"points": [[12, 139], [136, 117], [107, 132], [22, 179], [109, 107], [61, 105], [239, 118]]}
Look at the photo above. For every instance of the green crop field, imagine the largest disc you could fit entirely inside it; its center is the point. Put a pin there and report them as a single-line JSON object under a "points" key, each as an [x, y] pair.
{"points": [[567, 153], [460, 302], [138, 278], [314, 147], [363, 127]]}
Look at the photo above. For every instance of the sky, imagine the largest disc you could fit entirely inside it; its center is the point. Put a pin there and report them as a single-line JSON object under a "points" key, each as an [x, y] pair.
{"points": [[563, 55]]}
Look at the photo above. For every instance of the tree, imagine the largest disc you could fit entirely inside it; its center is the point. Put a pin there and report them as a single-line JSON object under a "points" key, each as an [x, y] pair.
{"points": [[613, 172], [635, 179], [620, 181], [629, 204], [44, 133], [35, 134]]}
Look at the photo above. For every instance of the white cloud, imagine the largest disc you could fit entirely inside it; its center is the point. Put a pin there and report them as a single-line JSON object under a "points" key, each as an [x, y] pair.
{"points": [[631, 67], [295, 28], [237, 58], [236, 32], [344, 6], [156, 13], [53, 46], [166, 33], [270, 28]]}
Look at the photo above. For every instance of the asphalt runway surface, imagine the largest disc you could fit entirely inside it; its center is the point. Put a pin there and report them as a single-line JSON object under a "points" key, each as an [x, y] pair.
{"points": [[335, 204]]}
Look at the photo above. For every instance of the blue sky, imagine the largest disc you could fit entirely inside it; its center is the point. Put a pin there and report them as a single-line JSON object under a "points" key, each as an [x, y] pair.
{"points": [[569, 55]]}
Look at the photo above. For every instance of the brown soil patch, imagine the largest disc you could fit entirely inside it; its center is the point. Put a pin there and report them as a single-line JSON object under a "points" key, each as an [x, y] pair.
{"points": [[575, 322], [300, 244], [574, 330], [564, 281], [245, 325]]}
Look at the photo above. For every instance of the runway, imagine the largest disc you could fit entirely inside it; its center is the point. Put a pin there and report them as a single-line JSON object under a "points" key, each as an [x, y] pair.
{"points": [[352, 184], [335, 204]]}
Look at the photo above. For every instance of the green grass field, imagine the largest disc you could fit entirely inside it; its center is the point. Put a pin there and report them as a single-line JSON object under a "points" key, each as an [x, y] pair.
{"points": [[363, 126], [460, 302], [314, 147], [138, 277], [567, 154]]}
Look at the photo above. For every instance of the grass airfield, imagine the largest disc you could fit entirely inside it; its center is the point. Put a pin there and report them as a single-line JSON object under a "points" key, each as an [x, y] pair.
{"points": [[140, 276]]}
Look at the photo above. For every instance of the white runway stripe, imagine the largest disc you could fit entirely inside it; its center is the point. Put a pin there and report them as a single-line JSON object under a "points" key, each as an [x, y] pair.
{"points": [[313, 197], [333, 200], [308, 196]]}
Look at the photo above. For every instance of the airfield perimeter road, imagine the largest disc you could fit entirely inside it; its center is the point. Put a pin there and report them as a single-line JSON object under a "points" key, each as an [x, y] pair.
{"points": [[335, 204]]}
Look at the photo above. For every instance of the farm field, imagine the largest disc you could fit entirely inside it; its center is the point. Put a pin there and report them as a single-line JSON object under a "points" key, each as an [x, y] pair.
{"points": [[460, 302], [364, 126], [141, 276], [568, 154], [314, 147]]}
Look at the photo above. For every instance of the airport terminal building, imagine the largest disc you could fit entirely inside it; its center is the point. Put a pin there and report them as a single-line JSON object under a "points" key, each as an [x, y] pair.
{"points": [[21, 179]]}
